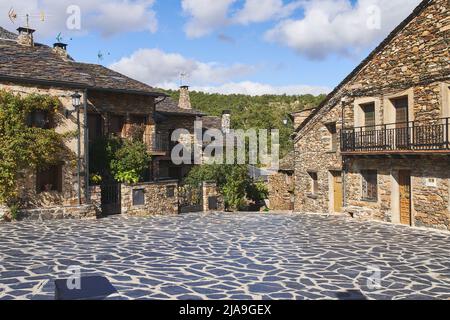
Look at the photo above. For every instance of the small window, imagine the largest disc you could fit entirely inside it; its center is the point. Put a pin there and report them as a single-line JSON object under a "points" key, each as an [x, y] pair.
{"points": [[49, 180], [314, 180], [39, 119], [170, 191], [334, 139], [138, 197], [116, 124], [369, 185], [369, 114]]}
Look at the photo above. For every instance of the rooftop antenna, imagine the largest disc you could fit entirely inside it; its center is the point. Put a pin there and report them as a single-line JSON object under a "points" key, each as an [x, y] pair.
{"points": [[13, 16], [183, 75], [59, 37]]}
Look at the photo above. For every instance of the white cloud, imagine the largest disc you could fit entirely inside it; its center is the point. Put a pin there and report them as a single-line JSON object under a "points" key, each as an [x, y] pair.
{"points": [[257, 89], [160, 69], [337, 26], [264, 10], [206, 16], [108, 17]]}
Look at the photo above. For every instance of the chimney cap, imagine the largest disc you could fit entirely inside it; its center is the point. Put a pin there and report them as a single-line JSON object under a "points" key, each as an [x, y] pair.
{"points": [[60, 45], [25, 30], [226, 112], [184, 87]]}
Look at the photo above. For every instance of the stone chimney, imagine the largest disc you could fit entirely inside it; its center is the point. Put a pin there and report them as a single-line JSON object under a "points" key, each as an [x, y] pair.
{"points": [[61, 50], [185, 100], [25, 37], [226, 121]]}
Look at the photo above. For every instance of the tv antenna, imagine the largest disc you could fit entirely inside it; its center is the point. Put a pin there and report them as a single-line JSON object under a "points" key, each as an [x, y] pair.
{"points": [[183, 76], [101, 56], [13, 16]]}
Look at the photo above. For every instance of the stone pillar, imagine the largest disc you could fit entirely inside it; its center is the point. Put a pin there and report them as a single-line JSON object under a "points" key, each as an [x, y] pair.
{"points": [[96, 196], [211, 197], [4, 212]]}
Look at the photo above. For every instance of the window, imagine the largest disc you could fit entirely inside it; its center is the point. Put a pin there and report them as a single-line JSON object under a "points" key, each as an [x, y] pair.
{"points": [[369, 185], [116, 125], [39, 119], [138, 197], [369, 114], [170, 192], [49, 180], [334, 139], [401, 111], [314, 180]]}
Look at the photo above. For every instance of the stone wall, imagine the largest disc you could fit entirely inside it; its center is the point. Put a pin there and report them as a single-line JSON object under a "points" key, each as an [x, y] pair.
{"points": [[413, 64], [158, 199], [430, 204], [84, 212], [281, 189]]}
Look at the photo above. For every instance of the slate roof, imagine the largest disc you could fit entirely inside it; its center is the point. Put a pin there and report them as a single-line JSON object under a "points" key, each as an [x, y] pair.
{"points": [[41, 65], [212, 122], [168, 106], [422, 6], [8, 35]]}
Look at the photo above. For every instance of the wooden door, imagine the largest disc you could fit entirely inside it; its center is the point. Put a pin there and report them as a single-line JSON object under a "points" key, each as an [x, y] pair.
{"points": [[337, 191], [404, 180]]}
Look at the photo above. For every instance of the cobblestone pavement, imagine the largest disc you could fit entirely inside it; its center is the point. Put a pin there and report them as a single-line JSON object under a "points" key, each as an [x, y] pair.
{"points": [[221, 256]]}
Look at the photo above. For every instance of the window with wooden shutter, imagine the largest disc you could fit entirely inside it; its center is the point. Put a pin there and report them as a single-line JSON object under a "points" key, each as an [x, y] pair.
{"points": [[334, 139], [369, 114], [369, 185]]}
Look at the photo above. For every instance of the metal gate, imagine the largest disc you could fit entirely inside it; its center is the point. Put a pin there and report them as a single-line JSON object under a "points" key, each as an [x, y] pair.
{"points": [[190, 198], [111, 199]]}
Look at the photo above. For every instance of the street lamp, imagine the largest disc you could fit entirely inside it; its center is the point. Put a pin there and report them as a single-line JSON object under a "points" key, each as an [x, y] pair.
{"points": [[76, 103]]}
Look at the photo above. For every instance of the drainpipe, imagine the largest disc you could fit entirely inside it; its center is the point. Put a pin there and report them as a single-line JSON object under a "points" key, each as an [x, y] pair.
{"points": [[86, 149], [79, 157], [344, 165]]}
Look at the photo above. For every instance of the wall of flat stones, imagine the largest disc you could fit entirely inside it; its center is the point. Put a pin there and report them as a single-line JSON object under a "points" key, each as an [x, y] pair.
{"points": [[430, 204], [27, 179], [157, 201], [281, 187], [415, 60], [84, 212]]}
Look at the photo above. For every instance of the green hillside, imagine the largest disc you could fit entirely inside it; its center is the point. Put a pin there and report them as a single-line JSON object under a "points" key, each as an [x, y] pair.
{"points": [[259, 112]]}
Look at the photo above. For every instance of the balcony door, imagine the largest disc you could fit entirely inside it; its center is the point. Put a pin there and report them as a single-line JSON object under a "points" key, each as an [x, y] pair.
{"points": [[401, 122]]}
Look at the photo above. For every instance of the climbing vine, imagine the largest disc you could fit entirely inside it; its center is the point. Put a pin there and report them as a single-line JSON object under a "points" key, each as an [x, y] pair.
{"points": [[24, 146]]}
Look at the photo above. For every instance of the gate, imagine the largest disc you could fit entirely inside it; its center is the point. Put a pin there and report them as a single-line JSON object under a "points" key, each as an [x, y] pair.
{"points": [[111, 199], [190, 198]]}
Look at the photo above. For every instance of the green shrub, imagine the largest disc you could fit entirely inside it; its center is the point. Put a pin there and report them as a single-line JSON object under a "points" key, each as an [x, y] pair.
{"points": [[130, 162]]}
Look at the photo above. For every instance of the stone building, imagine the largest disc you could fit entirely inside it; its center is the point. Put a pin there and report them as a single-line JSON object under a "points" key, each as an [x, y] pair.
{"points": [[111, 104], [378, 146]]}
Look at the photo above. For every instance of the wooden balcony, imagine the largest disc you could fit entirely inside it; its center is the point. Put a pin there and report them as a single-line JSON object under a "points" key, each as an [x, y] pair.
{"points": [[158, 143], [415, 137]]}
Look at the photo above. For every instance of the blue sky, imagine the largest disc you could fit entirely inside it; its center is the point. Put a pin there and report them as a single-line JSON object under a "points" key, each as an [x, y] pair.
{"points": [[240, 46]]}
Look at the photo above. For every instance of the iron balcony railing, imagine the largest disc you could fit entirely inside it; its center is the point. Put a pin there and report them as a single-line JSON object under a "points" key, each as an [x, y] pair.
{"points": [[404, 136]]}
